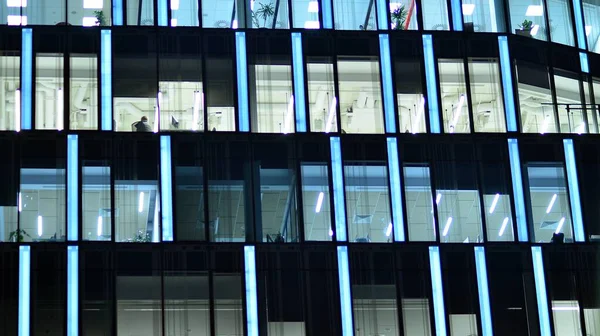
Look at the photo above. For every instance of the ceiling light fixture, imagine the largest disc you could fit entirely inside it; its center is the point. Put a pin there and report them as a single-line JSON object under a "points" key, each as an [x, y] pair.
{"points": [[319, 202], [551, 204], [447, 227], [494, 203], [141, 202], [560, 225], [468, 9], [534, 10], [331, 114], [503, 227]]}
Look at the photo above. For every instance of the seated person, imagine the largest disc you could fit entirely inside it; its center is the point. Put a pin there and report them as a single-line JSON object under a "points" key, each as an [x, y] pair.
{"points": [[142, 125]]}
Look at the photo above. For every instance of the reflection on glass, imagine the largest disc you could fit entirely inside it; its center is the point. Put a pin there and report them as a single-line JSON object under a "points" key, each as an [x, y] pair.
{"points": [[41, 13], [305, 14], [321, 96], [549, 203], [410, 98], [49, 92], [316, 202], [181, 106], [403, 14], [10, 68], [270, 14], [483, 16], [571, 116], [435, 15], [561, 26], [274, 106], [219, 13], [498, 217], [96, 206], [88, 13], [189, 198], [591, 13], [567, 319], [83, 92], [140, 12], [360, 95], [527, 18], [228, 305], [537, 113], [419, 203], [486, 95], [354, 14], [184, 13], [220, 82], [454, 96], [367, 203]]}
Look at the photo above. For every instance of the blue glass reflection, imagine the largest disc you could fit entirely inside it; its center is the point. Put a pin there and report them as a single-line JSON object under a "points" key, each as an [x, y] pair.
{"points": [[507, 85], [386, 77], [106, 79], [540, 290], [299, 99], [517, 183], [345, 295], [166, 188], [242, 83], [395, 189], [24, 289], [72, 187], [437, 290], [26, 77], [72, 291], [117, 6], [338, 189], [583, 59], [251, 292], [483, 291], [574, 190], [430, 76], [579, 27]]}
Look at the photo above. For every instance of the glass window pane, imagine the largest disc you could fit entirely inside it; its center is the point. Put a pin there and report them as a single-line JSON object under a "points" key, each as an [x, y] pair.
{"points": [[305, 14], [136, 190], [83, 86], [367, 192], [184, 13], [527, 18], [486, 95], [96, 191], [537, 116], [10, 72], [435, 15], [219, 13], [227, 291], [48, 290], [89, 13], [97, 291], [322, 100], [43, 206], [221, 81], [568, 96], [9, 194], [591, 13], [419, 202], [135, 83], [561, 26], [483, 16], [454, 96], [180, 83], [138, 292], [403, 14], [49, 82], [316, 201], [270, 83], [409, 87], [44, 13], [354, 15], [139, 13], [269, 14]]}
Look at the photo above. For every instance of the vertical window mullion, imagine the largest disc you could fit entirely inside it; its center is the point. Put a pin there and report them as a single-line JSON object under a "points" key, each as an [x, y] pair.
{"points": [[573, 185], [242, 82], [166, 188], [431, 80], [540, 291], [24, 290], [26, 78], [387, 83], [106, 80], [517, 183], [72, 187], [299, 82]]}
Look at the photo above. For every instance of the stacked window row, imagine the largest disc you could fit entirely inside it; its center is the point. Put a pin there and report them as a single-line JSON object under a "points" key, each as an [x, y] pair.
{"points": [[277, 82], [570, 22], [299, 290], [280, 189]]}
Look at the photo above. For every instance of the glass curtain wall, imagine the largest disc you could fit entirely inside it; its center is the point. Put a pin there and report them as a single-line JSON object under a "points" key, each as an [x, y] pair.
{"points": [[49, 85], [435, 15], [83, 87], [89, 13], [403, 15], [528, 18], [97, 290], [591, 13], [227, 265], [9, 194], [354, 14], [10, 73], [47, 289], [96, 196], [48, 13], [139, 12], [305, 14], [483, 16], [184, 13]]}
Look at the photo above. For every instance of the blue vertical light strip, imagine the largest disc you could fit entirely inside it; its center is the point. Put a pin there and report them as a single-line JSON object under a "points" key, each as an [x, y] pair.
{"points": [[326, 13], [386, 77], [72, 187], [339, 201], [484, 295], [583, 59], [437, 290], [166, 188], [251, 293], [24, 289], [382, 14], [106, 79], [540, 290], [242, 82], [117, 11], [457, 15], [579, 26], [299, 96], [26, 77], [517, 183], [395, 189], [430, 77], [576, 214], [345, 294], [507, 85], [163, 15], [72, 291]]}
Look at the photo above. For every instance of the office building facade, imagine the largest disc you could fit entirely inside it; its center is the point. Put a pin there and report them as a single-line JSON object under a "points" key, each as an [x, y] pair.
{"points": [[298, 167]]}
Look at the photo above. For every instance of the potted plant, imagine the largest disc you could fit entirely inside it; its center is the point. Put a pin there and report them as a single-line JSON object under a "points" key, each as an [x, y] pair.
{"points": [[525, 28], [141, 236], [264, 13], [398, 16], [18, 236], [100, 18]]}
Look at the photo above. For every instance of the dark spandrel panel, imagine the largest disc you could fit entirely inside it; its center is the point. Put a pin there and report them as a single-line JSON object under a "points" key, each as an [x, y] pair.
{"points": [[134, 64], [404, 48], [460, 283], [10, 40], [85, 42], [588, 165], [565, 58], [9, 284], [96, 283], [9, 172], [482, 46], [541, 151], [318, 43], [322, 292], [48, 290], [529, 50], [357, 44], [448, 47]]}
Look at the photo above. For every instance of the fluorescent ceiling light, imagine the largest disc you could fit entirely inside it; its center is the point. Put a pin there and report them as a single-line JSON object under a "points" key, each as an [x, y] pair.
{"points": [[93, 4], [503, 227], [20, 203], [174, 4], [196, 110], [234, 24], [560, 225], [173, 22], [319, 202], [438, 198], [534, 10], [16, 3], [18, 120], [545, 125], [581, 128], [331, 114], [89, 21], [40, 226], [16, 20], [99, 229], [494, 203], [419, 115], [60, 107], [565, 308], [388, 230], [330, 233], [535, 30], [551, 204], [588, 30], [468, 9], [313, 7], [141, 202], [447, 227], [312, 25]]}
